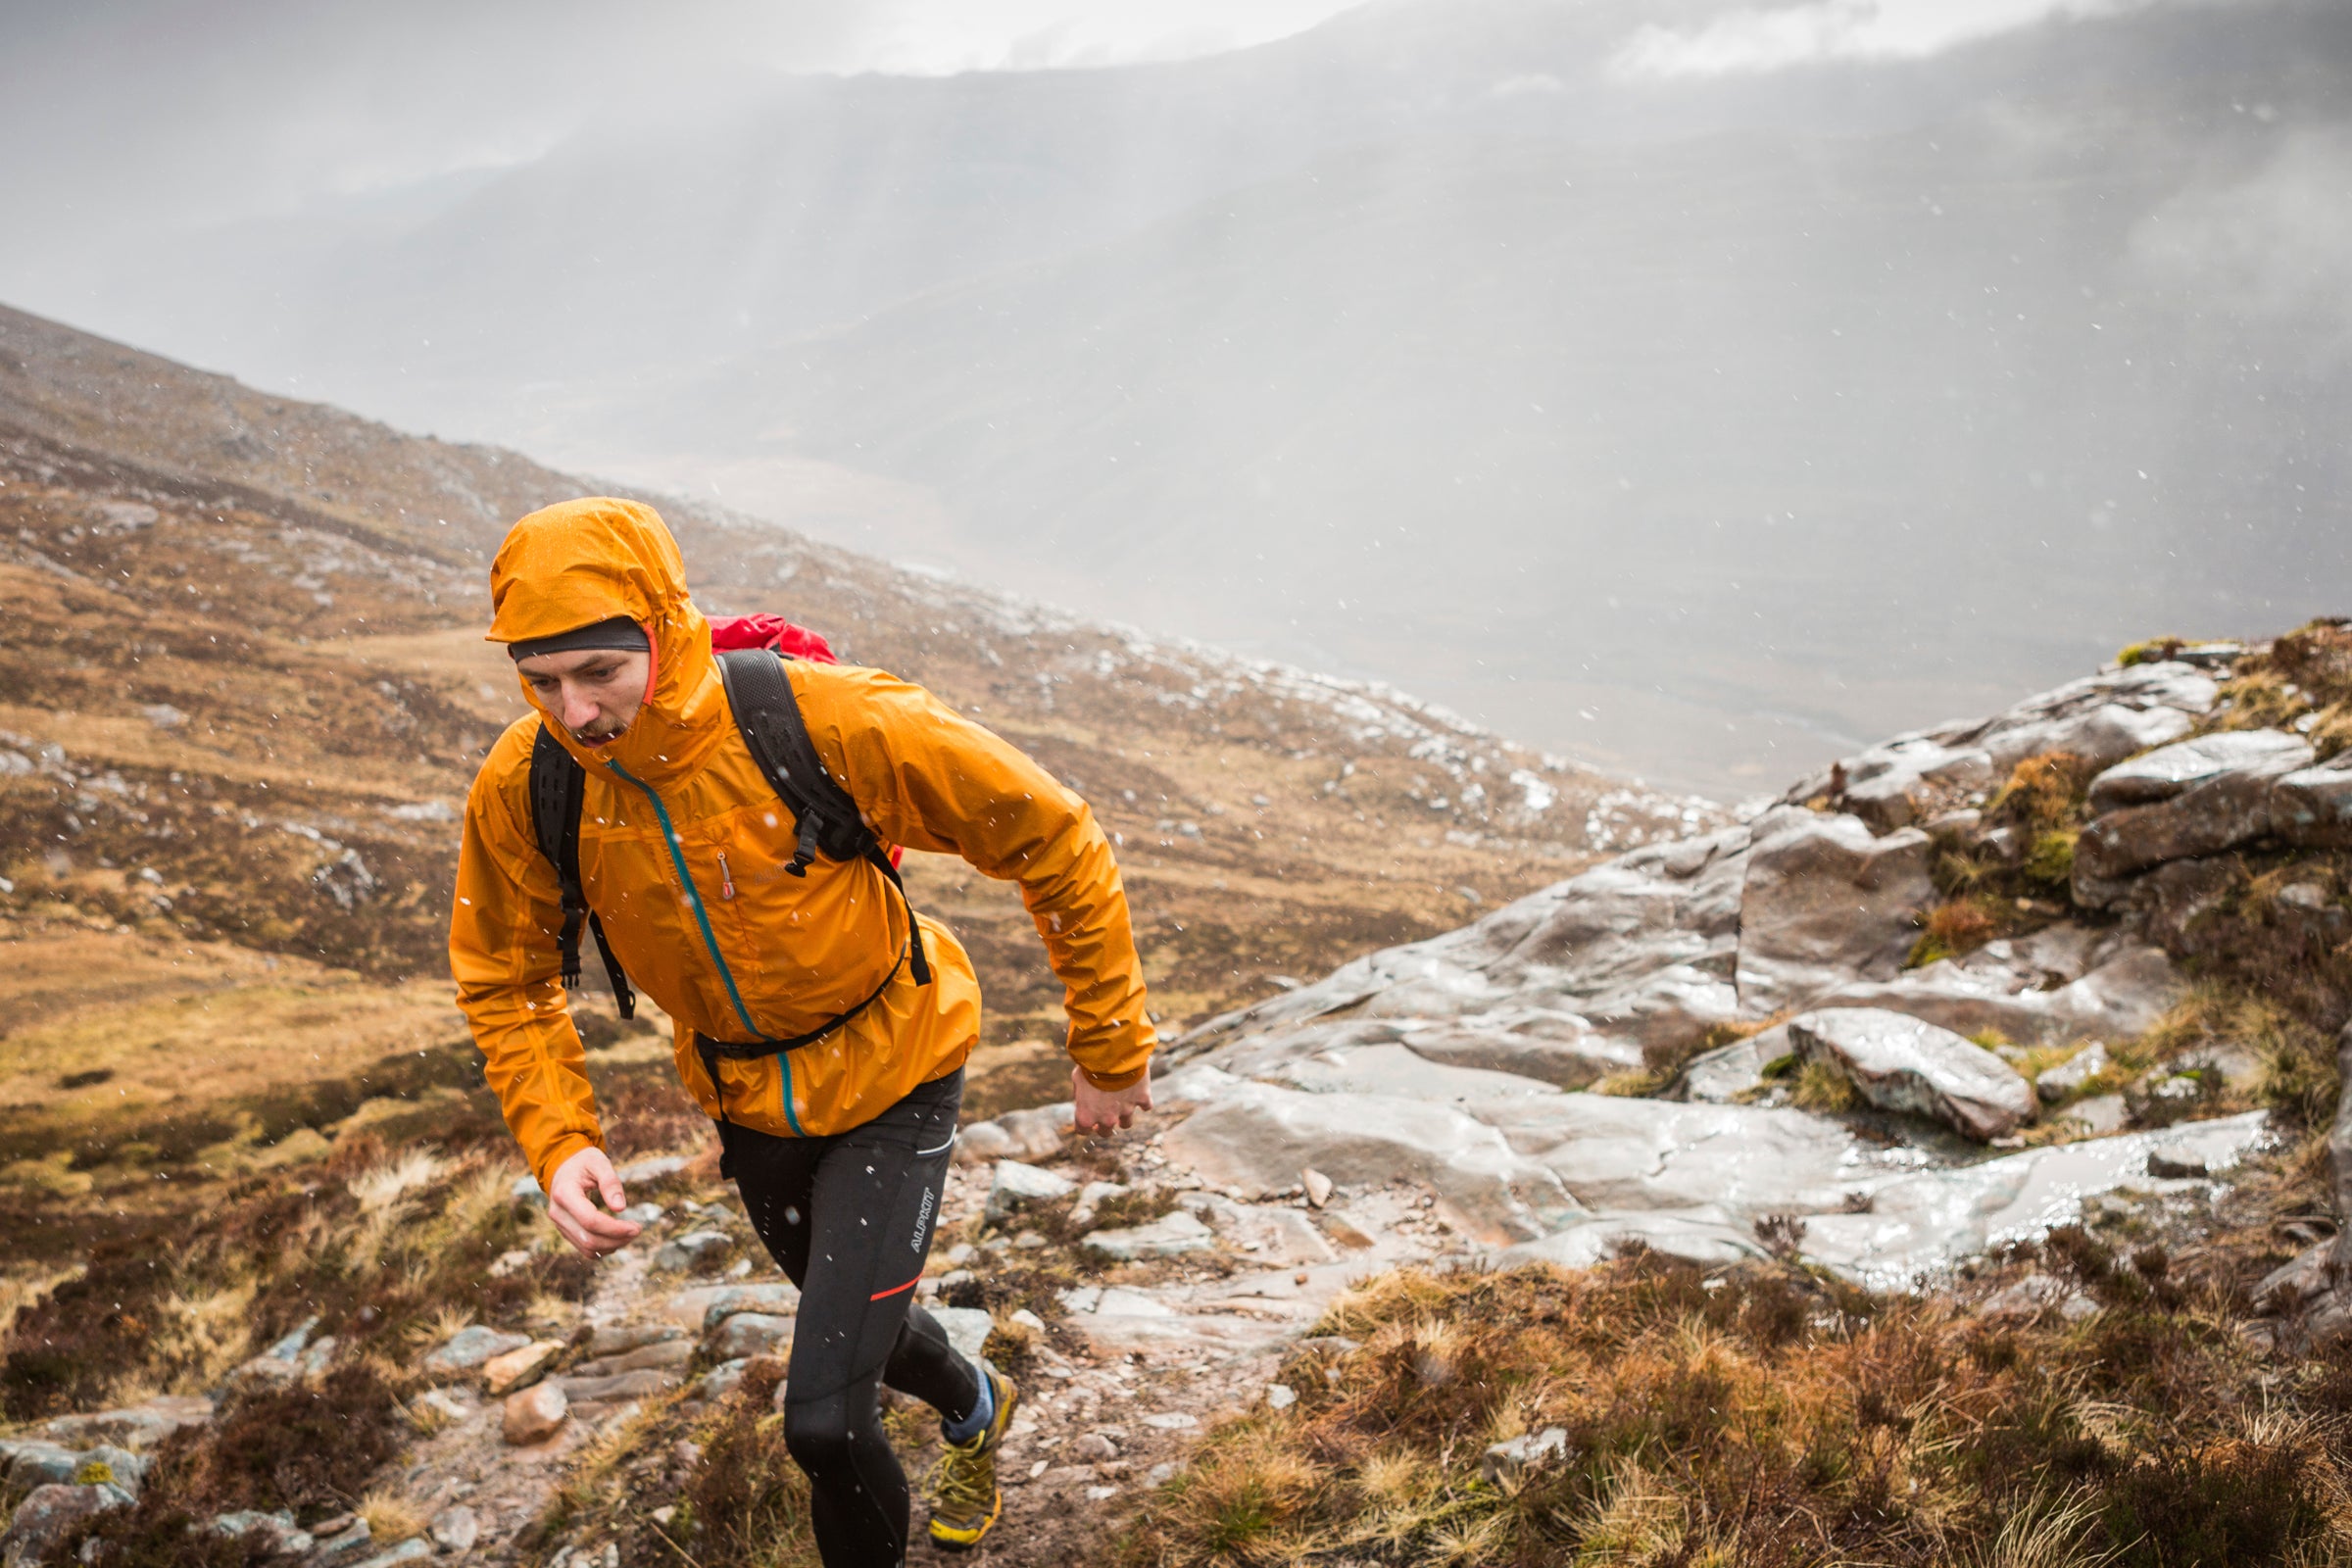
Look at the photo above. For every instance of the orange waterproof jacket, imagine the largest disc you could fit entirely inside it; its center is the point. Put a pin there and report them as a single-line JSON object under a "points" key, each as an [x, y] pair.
{"points": [[682, 852]]}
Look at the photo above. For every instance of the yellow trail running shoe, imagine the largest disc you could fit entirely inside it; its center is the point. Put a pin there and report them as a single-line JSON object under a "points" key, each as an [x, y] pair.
{"points": [[965, 1499]]}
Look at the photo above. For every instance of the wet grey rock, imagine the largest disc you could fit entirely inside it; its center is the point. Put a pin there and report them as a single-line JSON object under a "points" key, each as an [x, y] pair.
{"points": [[412, 1549], [748, 1333], [2313, 807], [278, 1533], [343, 1543], [455, 1528], [48, 1513], [469, 1348], [2058, 1082], [663, 1356], [1015, 1186], [2036, 990], [646, 1171], [1622, 1156], [526, 1190], [643, 1213], [721, 1380], [777, 1299], [1255, 1136], [618, 1338], [692, 1252], [2300, 1281], [1722, 1076], [967, 1328], [2202, 797], [1169, 1236], [2101, 718], [2170, 771], [1705, 1236], [138, 1427], [1826, 904], [32, 1463], [616, 1387], [1898, 1062], [983, 1143], [1504, 1463], [1921, 1224]]}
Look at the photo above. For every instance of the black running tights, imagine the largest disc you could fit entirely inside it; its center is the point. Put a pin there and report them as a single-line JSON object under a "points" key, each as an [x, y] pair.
{"points": [[848, 1218]]}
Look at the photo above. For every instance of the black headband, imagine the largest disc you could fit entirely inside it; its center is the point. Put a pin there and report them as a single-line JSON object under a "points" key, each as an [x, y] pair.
{"points": [[620, 633]]}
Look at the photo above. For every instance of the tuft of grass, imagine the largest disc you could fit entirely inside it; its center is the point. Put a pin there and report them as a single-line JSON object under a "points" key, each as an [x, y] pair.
{"points": [[1821, 1087], [1958, 927], [390, 1517], [1745, 1419]]}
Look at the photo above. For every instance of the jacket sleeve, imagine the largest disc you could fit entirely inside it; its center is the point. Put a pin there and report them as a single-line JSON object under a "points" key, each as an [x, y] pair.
{"points": [[503, 957], [931, 779]]}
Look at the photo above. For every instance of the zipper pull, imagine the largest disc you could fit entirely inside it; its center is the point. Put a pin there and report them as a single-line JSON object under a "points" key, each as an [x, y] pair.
{"points": [[726, 880]]}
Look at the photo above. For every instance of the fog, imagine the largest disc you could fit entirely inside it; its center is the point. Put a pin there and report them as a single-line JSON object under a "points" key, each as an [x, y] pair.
{"points": [[1697, 389]]}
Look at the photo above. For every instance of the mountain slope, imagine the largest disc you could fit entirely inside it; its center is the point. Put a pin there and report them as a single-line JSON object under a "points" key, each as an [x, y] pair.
{"points": [[242, 691]]}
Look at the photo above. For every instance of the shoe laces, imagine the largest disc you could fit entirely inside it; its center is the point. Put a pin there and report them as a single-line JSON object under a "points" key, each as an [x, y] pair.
{"points": [[965, 1476]]}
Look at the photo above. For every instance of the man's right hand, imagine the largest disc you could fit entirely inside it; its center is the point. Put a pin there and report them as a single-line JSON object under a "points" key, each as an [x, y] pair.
{"points": [[571, 1202]]}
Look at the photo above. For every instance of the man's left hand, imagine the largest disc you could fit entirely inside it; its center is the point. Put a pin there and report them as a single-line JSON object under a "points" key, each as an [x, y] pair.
{"points": [[1103, 1110]]}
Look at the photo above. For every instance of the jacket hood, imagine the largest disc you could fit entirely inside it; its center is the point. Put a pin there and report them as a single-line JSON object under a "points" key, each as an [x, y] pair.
{"points": [[581, 561]]}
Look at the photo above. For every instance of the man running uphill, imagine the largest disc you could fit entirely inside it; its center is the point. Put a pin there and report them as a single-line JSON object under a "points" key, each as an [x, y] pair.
{"points": [[820, 1022]]}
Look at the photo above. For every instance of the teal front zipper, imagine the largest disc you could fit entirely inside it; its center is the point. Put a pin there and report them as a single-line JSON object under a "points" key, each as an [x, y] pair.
{"points": [[694, 900]]}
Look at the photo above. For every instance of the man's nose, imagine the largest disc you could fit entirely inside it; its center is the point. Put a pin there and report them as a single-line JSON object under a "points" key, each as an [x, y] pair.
{"points": [[579, 709]]}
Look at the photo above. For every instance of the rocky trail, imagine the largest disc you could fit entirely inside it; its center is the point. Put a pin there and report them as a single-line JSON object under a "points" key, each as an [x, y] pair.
{"points": [[1917, 1016]]}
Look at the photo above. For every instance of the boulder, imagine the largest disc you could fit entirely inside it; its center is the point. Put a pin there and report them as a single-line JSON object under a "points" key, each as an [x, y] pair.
{"points": [[2101, 718], [1898, 1062], [618, 1339], [967, 1328], [455, 1528], [1826, 904], [414, 1549], [1722, 1076], [619, 1385], [2174, 770], [1921, 1224], [743, 1335], [1169, 1236], [536, 1414], [504, 1374], [1702, 1236], [663, 1356], [2207, 798], [1626, 1156], [1255, 1136], [337, 1546], [1015, 1186], [2313, 806], [276, 1534], [2032, 991], [781, 1300], [692, 1252], [138, 1427], [983, 1143], [2070, 1075], [471, 1348], [645, 1172], [48, 1514]]}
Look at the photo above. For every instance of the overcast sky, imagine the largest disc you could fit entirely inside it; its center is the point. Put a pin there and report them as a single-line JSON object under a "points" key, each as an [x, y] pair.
{"points": [[121, 117]]}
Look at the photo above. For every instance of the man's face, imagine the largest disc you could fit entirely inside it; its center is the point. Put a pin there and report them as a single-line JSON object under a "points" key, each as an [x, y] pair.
{"points": [[592, 692]]}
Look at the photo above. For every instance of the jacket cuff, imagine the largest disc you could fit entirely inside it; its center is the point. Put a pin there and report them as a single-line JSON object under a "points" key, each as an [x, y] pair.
{"points": [[551, 1157], [1114, 1080]]}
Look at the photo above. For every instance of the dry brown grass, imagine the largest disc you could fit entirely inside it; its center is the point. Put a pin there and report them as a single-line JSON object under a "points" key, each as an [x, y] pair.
{"points": [[1763, 1421]]}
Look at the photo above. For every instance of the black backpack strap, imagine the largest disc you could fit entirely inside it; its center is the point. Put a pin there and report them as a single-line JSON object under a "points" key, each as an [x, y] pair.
{"points": [[826, 821], [559, 784]]}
